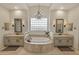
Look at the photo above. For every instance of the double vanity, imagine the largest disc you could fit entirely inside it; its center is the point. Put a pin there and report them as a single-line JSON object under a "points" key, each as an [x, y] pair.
{"points": [[38, 44]]}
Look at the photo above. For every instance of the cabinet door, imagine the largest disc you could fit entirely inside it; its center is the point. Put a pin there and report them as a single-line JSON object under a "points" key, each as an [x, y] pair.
{"points": [[6, 41], [69, 42], [19, 42], [66, 42], [58, 42], [63, 41], [13, 40]]}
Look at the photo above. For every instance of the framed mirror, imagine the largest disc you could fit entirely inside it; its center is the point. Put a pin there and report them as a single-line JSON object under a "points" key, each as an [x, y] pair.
{"points": [[59, 25], [18, 25]]}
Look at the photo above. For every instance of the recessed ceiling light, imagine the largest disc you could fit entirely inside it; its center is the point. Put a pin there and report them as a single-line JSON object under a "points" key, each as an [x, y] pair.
{"points": [[61, 7], [15, 7]]}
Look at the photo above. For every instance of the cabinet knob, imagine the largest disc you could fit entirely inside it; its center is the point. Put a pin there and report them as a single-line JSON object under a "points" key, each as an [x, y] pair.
{"points": [[8, 40], [17, 40], [59, 40], [67, 40]]}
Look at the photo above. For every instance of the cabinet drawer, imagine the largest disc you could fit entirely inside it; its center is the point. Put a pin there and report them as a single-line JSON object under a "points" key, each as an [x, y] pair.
{"points": [[58, 42], [68, 42], [63, 42], [16, 42], [7, 42], [19, 41]]}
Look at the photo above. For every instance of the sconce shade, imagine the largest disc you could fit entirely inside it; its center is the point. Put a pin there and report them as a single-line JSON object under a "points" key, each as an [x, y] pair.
{"points": [[64, 25], [12, 25], [53, 25]]}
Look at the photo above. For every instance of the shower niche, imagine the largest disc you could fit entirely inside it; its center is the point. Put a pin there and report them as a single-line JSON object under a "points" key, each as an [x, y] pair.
{"points": [[59, 25]]}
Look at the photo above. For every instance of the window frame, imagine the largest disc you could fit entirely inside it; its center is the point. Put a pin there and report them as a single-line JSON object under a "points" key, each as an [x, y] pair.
{"points": [[38, 31]]}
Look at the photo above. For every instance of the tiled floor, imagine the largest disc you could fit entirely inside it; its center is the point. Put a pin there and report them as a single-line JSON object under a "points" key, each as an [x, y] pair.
{"points": [[22, 51], [54, 51]]}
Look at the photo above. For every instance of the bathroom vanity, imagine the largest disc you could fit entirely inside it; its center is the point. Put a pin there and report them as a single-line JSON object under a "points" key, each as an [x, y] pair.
{"points": [[14, 40], [63, 40]]}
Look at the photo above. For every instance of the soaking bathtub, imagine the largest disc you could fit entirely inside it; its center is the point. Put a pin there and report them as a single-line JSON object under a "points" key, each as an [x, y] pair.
{"points": [[38, 45]]}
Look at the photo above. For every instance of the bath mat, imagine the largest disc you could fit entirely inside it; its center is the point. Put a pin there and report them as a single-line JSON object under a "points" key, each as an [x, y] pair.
{"points": [[11, 48], [65, 48]]}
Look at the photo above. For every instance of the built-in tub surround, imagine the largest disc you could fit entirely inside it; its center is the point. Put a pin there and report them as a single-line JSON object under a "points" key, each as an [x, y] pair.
{"points": [[38, 44]]}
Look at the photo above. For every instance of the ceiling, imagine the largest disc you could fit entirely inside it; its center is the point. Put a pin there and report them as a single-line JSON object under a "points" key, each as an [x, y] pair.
{"points": [[53, 6]]}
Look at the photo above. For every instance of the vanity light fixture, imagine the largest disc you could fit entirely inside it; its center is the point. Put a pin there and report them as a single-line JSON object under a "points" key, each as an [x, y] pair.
{"points": [[74, 28], [23, 25], [13, 25], [64, 25], [53, 25]]}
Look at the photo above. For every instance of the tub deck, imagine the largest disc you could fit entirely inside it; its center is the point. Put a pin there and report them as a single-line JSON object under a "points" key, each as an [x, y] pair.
{"points": [[41, 44]]}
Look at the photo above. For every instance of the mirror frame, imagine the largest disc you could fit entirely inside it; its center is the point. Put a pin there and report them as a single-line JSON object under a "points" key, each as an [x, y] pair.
{"points": [[16, 21], [62, 24]]}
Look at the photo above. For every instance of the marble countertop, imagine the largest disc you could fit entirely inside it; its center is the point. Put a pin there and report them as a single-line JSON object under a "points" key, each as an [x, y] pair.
{"points": [[13, 34], [62, 35]]}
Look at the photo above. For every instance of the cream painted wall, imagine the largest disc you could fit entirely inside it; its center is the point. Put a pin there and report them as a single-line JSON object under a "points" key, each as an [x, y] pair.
{"points": [[58, 14], [19, 14], [26, 15], [43, 10], [4, 17], [74, 18], [52, 15]]}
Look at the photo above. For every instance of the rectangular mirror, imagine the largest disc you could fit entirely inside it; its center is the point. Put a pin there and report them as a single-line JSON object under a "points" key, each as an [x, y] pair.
{"points": [[59, 25], [18, 25]]}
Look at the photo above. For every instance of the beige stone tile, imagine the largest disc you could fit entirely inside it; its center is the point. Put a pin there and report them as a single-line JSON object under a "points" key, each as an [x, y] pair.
{"points": [[22, 51]]}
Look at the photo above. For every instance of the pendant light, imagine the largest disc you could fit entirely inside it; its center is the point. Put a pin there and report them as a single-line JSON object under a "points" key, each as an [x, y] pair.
{"points": [[38, 15]]}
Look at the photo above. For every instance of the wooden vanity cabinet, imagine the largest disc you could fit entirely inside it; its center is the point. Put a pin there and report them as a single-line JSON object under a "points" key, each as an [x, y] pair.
{"points": [[13, 40], [63, 41]]}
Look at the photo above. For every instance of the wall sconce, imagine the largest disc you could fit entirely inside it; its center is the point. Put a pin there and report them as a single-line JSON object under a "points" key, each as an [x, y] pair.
{"points": [[53, 25], [2, 27], [13, 25], [74, 28], [23, 25], [64, 25]]}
